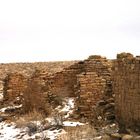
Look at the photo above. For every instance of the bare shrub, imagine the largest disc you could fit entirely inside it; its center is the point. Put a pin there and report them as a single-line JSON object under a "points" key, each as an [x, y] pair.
{"points": [[85, 132], [34, 99], [55, 100], [57, 119], [32, 128], [33, 116], [98, 117]]}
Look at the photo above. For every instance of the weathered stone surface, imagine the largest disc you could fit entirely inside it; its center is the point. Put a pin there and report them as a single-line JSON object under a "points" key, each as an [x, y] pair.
{"points": [[116, 136], [126, 87], [106, 137], [127, 137], [137, 138], [110, 117], [15, 84], [2, 118], [94, 84], [124, 55]]}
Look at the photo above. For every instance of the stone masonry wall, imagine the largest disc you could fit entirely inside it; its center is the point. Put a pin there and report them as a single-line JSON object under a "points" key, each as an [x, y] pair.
{"points": [[60, 83], [14, 77], [102, 67], [91, 91], [89, 81], [91, 77], [126, 86], [15, 84], [63, 83], [94, 84]]}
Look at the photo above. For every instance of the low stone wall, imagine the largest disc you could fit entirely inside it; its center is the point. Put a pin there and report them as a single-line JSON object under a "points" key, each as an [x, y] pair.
{"points": [[59, 83], [14, 77], [88, 81], [14, 87]]}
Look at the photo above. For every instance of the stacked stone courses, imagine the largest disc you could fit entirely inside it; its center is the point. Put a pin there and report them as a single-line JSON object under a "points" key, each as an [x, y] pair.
{"points": [[126, 86], [89, 82], [94, 84]]}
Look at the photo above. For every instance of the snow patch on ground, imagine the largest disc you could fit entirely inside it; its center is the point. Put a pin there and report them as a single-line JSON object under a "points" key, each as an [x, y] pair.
{"points": [[68, 107], [8, 131], [69, 104], [70, 123], [51, 134], [1, 95], [10, 107]]}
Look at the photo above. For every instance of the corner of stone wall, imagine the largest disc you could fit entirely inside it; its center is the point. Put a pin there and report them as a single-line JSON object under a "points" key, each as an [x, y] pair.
{"points": [[126, 87]]}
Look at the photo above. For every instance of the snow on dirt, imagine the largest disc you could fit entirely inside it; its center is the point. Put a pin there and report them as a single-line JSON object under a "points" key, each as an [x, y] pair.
{"points": [[70, 123], [9, 131], [10, 107], [68, 107]]}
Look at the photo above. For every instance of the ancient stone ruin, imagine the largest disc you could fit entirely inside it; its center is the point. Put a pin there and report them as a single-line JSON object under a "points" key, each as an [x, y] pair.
{"points": [[126, 87], [95, 83]]}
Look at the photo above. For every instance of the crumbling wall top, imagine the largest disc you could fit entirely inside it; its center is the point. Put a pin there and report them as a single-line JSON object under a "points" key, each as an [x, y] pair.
{"points": [[95, 57], [125, 55]]}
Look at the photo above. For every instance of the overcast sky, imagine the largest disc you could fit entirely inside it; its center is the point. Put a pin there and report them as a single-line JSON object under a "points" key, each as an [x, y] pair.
{"points": [[49, 30]]}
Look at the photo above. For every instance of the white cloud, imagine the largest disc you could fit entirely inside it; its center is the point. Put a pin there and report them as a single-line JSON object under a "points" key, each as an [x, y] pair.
{"points": [[33, 30]]}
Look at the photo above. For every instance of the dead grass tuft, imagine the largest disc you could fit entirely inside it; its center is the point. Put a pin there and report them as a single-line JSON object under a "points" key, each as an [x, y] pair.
{"points": [[84, 132], [34, 98], [33, 116]]}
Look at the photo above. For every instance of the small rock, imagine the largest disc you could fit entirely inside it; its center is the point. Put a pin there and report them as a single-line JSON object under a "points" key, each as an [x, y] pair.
{"points": [[32, 128], [9, 125], [47, 138], [46, 126], [110, 100], [10, 110], [83, 120], [110, 117], [52, 128], [2, 119], [60, 131], [37, 137], [102, 102], [127, 137], [116, 136], [75, 116], [98, 138], [20, 137], [64, 113], [137, 138], [17, 135], [106, 137], [109, 107]]}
